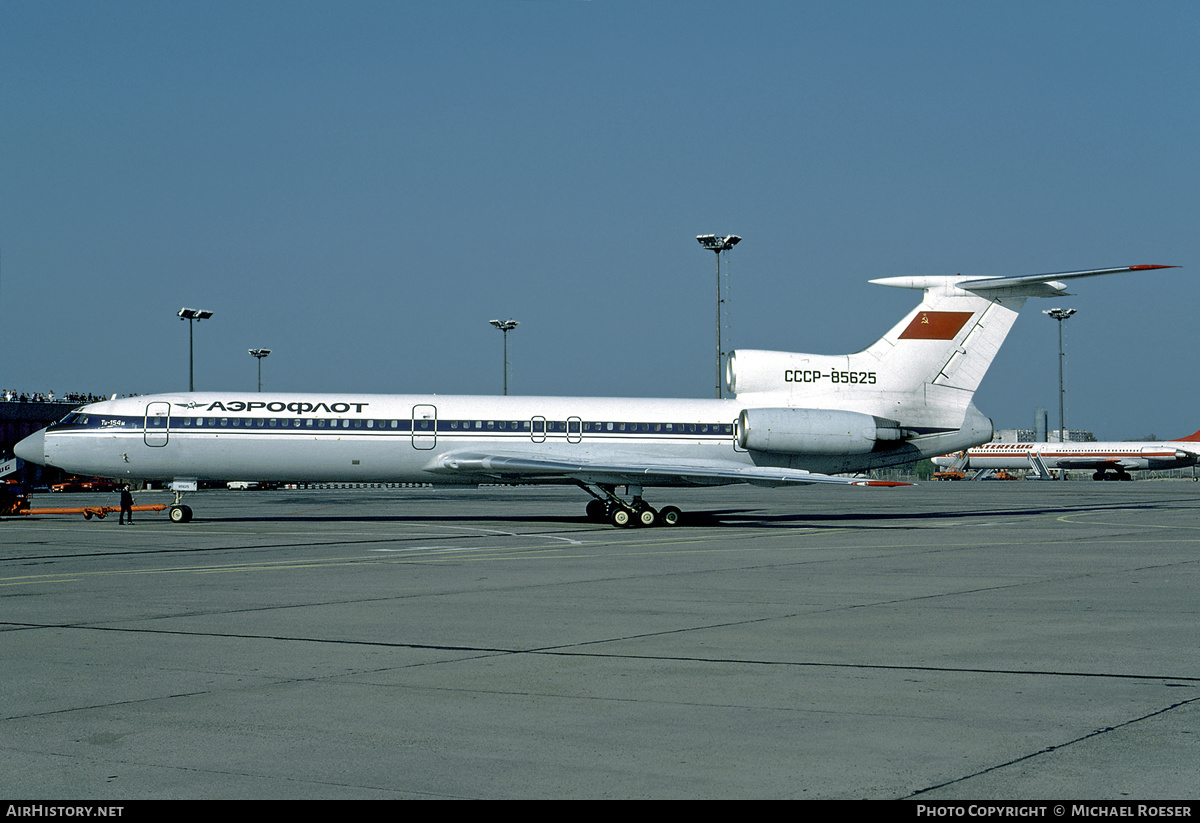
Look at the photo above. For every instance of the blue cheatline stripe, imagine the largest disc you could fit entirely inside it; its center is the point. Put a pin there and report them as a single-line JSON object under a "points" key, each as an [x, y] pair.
{"points": [[282, 425]]}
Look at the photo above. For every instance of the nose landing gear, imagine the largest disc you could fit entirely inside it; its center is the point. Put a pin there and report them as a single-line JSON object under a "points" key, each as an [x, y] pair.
{"points": [[178, 512]]}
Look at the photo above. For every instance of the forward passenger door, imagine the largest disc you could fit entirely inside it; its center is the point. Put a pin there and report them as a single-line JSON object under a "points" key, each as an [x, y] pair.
{"points": [[157, 426]]}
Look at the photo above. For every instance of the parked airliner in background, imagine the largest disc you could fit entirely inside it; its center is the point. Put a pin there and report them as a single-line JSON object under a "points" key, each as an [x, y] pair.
{"points": [[796, 419], [1110, 461]]}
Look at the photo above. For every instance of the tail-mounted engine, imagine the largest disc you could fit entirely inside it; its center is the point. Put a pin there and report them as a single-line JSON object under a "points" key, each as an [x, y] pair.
{"points": [[816, 431]]}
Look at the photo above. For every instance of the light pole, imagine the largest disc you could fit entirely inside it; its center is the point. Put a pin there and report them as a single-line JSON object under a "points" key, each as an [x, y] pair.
{"points": [[192, 316], [259, 354], [718, 244], [505, 326], [1060, 315]]}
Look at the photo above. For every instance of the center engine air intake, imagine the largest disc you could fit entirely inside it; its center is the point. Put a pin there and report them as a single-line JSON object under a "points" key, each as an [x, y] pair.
{"points": [[814, 431]]}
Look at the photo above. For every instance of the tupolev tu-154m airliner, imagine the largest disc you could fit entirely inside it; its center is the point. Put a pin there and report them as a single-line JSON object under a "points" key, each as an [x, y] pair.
{"points": [[795, 419]]}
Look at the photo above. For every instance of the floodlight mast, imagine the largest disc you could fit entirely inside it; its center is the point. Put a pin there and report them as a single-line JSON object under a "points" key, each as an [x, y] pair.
{"points": [[505, 326], [718, 244], [259, 354], [1060, 315], [193, 316]]}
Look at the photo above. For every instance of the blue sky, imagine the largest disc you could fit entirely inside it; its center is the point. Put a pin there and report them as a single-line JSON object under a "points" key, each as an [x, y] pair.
{"points": [[361, 186]]}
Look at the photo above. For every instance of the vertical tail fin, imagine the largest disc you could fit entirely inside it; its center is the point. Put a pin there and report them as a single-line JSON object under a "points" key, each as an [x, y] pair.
{"points": [[924, 371], [936, 357]]}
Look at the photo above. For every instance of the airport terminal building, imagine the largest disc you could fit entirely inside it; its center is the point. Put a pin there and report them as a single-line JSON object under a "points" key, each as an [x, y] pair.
{"points": [[21, 418]]}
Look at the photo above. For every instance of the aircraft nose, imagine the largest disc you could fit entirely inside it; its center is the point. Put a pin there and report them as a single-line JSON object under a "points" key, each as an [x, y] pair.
{"points": [[33, 448]]}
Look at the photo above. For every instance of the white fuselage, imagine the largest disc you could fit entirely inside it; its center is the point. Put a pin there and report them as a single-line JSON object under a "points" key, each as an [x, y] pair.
{"points": [[369, 438], [405, 438], [1120, 456]]}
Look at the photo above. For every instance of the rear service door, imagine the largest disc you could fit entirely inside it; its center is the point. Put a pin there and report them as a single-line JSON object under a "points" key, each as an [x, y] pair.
{"points": [[424, 426]]}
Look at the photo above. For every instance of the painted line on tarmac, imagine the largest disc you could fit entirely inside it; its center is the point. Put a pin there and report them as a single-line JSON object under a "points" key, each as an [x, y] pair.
{"points": [[1067, 518]]}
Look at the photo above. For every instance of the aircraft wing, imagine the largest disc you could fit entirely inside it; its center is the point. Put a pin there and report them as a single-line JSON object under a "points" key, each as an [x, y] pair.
{"points": [[525, 469], [1094, 463]]}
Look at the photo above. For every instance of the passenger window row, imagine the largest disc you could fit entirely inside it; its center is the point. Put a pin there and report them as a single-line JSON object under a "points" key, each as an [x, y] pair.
{"points": [[536, 427]]}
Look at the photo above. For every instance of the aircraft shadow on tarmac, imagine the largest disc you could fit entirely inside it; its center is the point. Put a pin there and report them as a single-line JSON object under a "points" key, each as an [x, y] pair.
{"points": [[751, 517]]}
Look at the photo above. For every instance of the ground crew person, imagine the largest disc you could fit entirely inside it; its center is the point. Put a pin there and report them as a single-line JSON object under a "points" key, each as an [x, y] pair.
{"points": [[126, 506]]}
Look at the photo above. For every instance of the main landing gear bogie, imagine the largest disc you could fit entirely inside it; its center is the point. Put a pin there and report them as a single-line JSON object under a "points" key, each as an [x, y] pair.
{"points": [[625, 516], [637, 513]]}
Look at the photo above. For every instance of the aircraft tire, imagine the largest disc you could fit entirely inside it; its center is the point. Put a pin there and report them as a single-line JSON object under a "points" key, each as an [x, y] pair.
{"points": [[621, 517], [180, 514], [669, 516], [647, 517], [596, 510]]}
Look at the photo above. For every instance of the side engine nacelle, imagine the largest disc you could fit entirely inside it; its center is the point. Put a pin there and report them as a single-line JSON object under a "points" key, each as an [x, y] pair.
{"points": [[815, 431]]}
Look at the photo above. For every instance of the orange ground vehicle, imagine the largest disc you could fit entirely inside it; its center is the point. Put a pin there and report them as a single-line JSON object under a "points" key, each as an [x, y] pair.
{"points": [[78, 484], [950, 474], [12, 499]]}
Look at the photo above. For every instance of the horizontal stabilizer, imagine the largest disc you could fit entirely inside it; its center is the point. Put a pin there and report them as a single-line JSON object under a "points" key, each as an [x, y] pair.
{"points": [[1032, 282]]}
